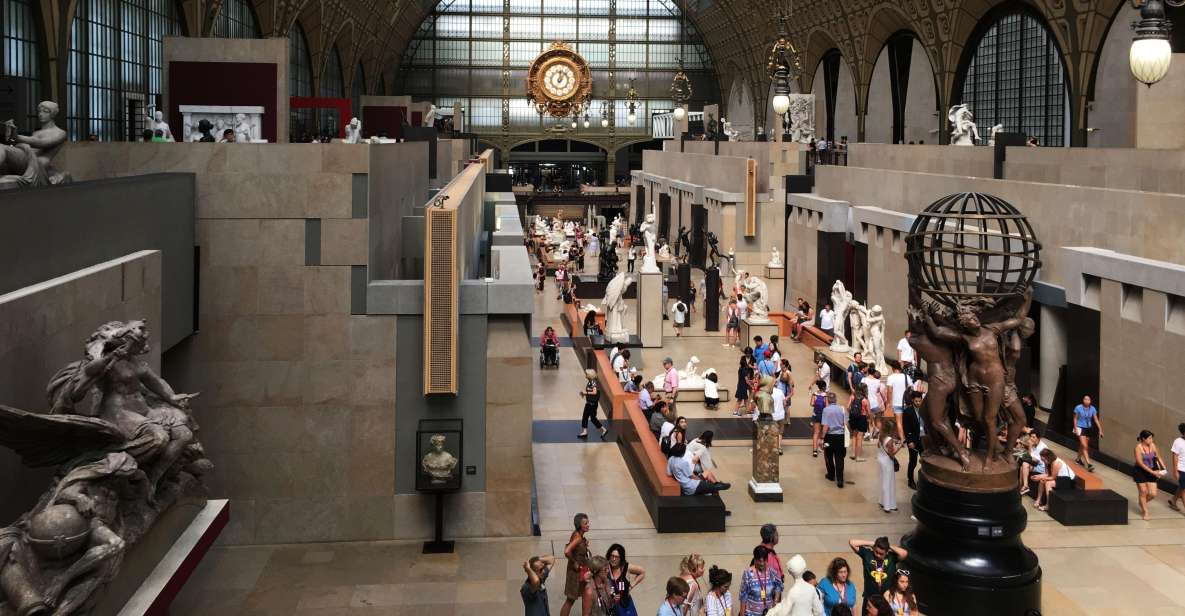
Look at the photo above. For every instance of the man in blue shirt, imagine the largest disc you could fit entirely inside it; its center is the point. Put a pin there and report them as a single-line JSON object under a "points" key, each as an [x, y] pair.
{"points": [[533, 591], [690, 483], [834, 419], [766, 365], [1086, 424], [855, 374], [759, 348]]}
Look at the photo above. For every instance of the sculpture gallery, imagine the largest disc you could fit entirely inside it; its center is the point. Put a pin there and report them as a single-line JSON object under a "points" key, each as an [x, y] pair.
{"points": [[125, 448]]}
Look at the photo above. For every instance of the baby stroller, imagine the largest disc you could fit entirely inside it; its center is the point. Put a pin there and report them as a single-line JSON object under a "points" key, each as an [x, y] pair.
{"points": [[549, 355]]}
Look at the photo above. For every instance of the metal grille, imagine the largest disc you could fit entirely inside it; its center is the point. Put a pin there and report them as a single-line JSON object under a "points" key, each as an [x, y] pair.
{"points": [[440, 303]]}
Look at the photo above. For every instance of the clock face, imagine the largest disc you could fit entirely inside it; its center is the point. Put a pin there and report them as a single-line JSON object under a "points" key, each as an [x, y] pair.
{"points": [[559, 80]]}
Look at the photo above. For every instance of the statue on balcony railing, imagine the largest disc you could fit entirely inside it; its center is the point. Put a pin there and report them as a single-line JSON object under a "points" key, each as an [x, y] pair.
{"points": [[25, 161], [963, 130], [124, 445]]}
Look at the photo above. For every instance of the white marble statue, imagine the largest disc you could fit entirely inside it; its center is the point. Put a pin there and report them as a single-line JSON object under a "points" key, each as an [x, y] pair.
{"points": [[802, 117], [650, 262], [963, 130], [995, 129], [615, 308], [561, 251], [439, 464], [859, 321], [757, 295], [775, 258], [800, 598], [841, 299], [244, 132], [689, 377], [875, 342], [156, 121], [569, 228], [25, 160], [729, 132], [664, 251], [353, 131], [430, 117]]}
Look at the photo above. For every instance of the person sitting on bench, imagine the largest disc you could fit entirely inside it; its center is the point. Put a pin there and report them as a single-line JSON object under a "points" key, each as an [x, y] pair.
{"points": [[1057, 475], [690, 484]]}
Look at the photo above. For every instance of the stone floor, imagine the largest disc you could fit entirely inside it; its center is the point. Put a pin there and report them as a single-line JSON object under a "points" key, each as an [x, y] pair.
{"points": [[1133, 569]]}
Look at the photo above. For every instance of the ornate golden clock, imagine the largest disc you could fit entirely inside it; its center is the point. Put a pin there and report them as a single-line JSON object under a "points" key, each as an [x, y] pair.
{"points": [[559, 82]]}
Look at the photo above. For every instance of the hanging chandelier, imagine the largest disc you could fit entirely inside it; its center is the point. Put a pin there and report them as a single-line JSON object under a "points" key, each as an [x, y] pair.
{"points": [[680, 91], [1151, 53], [783, 65], [632, 97]]}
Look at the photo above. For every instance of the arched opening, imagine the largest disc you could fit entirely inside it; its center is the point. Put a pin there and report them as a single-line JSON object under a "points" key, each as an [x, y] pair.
{"points": [[20, 51], [1013, 75], [114, 73], [741, 109], [357, 89], [835, 98], [332, 86], [902, 99], [236, 19], [558, 165], [1111, 113], [461, 49], [300, 83]]}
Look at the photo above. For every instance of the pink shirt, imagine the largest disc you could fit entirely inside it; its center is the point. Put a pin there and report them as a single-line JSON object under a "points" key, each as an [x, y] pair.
{"points": [[671, 383]]}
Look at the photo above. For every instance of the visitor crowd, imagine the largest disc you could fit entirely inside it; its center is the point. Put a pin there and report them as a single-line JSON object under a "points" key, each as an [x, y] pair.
{"points": [[768, 586]]}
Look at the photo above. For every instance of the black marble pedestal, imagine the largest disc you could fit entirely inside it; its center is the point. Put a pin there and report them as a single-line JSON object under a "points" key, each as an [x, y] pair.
{"points": [[712, 299], [966, 554]]}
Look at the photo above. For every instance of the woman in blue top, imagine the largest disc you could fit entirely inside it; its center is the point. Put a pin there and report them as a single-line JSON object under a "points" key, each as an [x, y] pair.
{"points": [[836, 587], [1086, 424]]}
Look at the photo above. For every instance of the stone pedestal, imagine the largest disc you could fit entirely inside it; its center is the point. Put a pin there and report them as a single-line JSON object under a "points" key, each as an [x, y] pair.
{"points": [[650, 308], [764, 486], [750, 329], [775, 273], [966, 554], [712, 299]]}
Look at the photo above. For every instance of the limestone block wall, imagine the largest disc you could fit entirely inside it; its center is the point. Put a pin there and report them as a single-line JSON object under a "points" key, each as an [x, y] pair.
{"points": [[1123, 168], [1142, 224], [1140, 332], [802, 255], [298, 404], [44, 327], [943, 159], [887, 278]]}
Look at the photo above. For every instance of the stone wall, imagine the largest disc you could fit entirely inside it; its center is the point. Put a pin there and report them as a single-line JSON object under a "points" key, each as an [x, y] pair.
{"points": [[44, 327], [944, 159], [298, 404]]}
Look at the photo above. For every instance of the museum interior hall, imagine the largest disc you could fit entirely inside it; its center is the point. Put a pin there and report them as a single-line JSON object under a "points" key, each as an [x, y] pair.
{"points": [[837, 307]]}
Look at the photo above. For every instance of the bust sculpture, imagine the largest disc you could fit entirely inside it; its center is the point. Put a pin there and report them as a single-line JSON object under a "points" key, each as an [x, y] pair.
{"points": [[439, 464], [963, 130], [26, 160], [205, 129], [775, 258], [353, 131], [156, 121]]}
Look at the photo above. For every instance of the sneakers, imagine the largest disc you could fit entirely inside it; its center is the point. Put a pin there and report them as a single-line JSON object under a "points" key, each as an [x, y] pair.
{"points": [[815, 453], [604, 431]]}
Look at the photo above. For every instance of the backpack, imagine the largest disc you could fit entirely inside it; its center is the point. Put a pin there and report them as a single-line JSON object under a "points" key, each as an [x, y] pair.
{"points": [[819, 402], [855, 409]]}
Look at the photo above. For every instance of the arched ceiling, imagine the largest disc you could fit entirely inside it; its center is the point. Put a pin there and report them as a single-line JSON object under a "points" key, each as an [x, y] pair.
{"points": [[737, 33]]}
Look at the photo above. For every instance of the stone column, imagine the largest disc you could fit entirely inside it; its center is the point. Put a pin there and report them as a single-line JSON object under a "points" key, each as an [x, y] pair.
{"points": [[650, 308], [764, 486]]}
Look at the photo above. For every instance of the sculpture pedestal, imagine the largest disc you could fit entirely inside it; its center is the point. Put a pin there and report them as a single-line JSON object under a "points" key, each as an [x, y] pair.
{"points": [[650, 308], [764, 486], [750, 329], [775, 273], [966, 554]]}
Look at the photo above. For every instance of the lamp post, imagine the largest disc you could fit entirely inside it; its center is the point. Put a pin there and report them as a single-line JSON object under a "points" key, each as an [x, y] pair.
{"points": [[1151, 54]]}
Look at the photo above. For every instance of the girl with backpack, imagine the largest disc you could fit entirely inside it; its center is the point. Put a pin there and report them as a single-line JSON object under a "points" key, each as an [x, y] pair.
{"points": [[818, 402]]}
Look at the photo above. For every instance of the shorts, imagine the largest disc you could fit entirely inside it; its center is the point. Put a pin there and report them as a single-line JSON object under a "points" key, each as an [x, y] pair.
{"points": [[1180, 480], [817, 416], [858, 423], [1090, 432]]}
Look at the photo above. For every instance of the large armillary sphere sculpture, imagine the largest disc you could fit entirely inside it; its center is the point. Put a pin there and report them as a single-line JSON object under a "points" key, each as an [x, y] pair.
{"points": [[559, 82]]}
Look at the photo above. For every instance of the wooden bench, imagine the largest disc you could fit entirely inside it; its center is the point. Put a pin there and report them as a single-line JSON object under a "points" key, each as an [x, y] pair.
{"points": [[814, 337], [1090, 503], [669, 510], [839, 364]]}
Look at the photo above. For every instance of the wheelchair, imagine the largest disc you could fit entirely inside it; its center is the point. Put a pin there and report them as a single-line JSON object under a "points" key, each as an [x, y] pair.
{"points": [[549, 355]]}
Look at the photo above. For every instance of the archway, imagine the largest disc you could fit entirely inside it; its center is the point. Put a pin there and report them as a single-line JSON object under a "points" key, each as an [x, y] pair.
{"points": [[902, 99], [740, 108]]}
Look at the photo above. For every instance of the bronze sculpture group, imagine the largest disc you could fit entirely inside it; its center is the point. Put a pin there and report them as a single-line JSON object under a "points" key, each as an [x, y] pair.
{"points": [[126, 450]]}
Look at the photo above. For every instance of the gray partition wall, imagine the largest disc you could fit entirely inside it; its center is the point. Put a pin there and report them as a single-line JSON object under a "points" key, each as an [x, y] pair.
{"points": [[50, 232]]}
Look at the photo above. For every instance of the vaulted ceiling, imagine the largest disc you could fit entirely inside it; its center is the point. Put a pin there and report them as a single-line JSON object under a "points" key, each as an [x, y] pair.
{"points": [[737, 32]]}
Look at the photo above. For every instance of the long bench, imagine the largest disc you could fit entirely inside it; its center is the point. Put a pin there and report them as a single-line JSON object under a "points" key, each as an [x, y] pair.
{"points": [[669, 510], [1090, 503]]}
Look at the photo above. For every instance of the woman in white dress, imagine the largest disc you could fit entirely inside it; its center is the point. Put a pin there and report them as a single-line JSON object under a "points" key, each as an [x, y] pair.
{"points": [[887, 448]]}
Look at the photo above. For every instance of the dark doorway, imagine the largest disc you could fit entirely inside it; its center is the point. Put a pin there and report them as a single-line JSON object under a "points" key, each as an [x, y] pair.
{"points": [[640, 205], [664, 215], [699, 238]]}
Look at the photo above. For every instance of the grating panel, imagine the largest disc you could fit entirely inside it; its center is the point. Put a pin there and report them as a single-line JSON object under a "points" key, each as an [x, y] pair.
{"points": [[440, 303]]}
